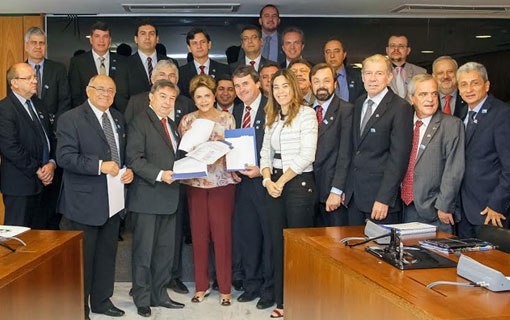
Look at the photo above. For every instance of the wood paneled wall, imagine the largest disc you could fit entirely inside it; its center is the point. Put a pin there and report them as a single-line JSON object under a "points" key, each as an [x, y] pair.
{"points": [[12, 30]]}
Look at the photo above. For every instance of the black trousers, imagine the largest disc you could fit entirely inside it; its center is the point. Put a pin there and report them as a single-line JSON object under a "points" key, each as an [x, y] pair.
{"points": [[358, 218], [251, 226], [293, 209], [99, 252], [153, 253], [182, 210], [335, 218], [27, 211]]}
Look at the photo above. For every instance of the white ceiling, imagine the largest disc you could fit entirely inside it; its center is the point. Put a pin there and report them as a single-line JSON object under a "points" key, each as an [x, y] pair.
{"points": [[340, 8]]}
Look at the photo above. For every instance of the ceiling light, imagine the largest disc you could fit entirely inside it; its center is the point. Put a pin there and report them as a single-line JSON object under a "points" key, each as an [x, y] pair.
{"points": [[483, 36], [427, 51], [181, 7]]}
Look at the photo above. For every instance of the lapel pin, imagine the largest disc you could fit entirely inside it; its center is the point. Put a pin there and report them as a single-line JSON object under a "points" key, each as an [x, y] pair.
{"points": [[377, 115], [428, 135], [113, 68], [422, 146], [331, 118], [257, 127], [325, 121], [257, 121], [178, 111], [46, 86], [475, 121], [372, 130], [484, 110]]}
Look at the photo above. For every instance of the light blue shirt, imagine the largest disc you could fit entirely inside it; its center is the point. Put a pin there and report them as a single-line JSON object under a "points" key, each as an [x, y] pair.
{"points": [[342, 88], [475, 109], [273, 45]]}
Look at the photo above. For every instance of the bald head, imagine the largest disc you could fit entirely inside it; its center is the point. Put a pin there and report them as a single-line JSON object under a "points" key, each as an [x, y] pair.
{"points": [[22, 80], [101, 91]]}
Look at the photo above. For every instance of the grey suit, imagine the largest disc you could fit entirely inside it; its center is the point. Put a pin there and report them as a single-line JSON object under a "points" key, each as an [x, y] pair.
{"points": [[410, 71], [439, 169], [153, 206]]}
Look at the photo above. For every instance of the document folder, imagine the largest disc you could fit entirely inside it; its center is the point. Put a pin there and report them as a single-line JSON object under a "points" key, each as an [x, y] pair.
{"points": [[244, 150]]}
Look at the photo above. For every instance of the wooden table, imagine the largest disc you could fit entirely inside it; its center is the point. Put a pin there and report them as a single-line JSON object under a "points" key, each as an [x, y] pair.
{"points": [[44, 279], [327, 280]]}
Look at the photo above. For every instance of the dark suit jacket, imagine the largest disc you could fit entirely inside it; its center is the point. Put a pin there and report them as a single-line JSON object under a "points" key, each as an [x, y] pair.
{"points": [[460, 107], [55, 94], [134, 80], [487, 176], [334, 148], [188, 71], [281, 54], [21, 147], [140, 102], [81, 143], [82, 68], [233, 66], [355, 83], [149, 151], [380, 154], [439, 167]]}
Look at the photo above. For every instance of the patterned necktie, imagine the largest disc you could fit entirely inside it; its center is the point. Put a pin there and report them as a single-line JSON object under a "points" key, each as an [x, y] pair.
{"points": [[102, 68], [40, 130], [149, 67], [318, 113], [265, 49], [407, 183], [165, 126], [246, 118], [110, 137], [447, 108], [470, 127], [399, 82], [224, 109], [366, 117], [202, 70], [252, 63], [39, 79]]}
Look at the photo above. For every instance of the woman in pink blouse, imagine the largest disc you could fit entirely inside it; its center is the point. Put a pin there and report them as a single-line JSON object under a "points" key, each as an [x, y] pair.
{"points": [[211, 199]]}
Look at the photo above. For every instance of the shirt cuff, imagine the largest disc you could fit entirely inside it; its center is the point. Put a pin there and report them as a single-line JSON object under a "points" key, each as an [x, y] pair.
{"points": [[158, 178], [336, 191], [99, 169]]}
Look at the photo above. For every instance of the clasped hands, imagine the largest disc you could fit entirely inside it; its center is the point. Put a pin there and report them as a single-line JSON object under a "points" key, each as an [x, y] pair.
{"points": [[111, 168], [46, 172], [274, 189]]}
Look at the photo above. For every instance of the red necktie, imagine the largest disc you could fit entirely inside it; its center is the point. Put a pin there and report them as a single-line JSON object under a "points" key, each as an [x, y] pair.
{"points": [[447, 109], [224, 109], [202, 68], [163, 122], [246, 118], [318, 112], [407, 183], [252, 63]]}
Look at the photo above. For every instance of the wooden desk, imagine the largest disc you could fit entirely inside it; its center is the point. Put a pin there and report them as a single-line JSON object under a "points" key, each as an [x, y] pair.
{"points": [[327, 280], [44, 279]]}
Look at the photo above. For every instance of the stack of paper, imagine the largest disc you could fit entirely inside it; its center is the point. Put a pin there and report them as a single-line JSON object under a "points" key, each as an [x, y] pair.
{"points": [[11, 231], [411, 228]]}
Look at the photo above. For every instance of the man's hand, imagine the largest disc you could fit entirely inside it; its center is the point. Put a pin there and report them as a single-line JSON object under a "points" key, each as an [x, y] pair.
{"points": [[110, 167], [251, 171], [445, 217], [273, 189], [379, 211], [167, 176], [127, 177], [333, 202], [493, 216], [46, 172]]}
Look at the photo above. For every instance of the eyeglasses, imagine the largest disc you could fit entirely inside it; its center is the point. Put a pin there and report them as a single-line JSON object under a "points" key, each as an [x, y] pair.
{"points": [[102, 90], [31, 78]]}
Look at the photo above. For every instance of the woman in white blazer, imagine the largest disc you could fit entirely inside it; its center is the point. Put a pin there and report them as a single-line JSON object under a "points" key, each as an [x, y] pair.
{"points": [[286, 159]]}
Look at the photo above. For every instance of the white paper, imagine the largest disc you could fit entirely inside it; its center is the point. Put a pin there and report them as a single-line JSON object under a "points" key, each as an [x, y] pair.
{"points": [[210, 151], [242, 155], [11, 231], [187, 168], [199, 132], [116, 201]]}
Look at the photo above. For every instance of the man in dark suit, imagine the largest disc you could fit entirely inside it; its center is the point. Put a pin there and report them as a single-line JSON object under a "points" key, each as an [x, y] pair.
{"points": [[251, 42], [164, 70], [381, 137], [444, 70], [27, 150], [153, 198], [99, 60], [53, 85], [301, 68], [199, 43], [251, 226], [349, 86], [436, 165], [269, 20], [225, 93], [334, 147], [90, 146], [266, 73], [485, 190], [53, 90], [137, 77]]}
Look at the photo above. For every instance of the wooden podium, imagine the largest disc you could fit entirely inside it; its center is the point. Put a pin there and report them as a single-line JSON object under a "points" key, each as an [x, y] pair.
{"points": [[44, 279], [327, 280]]}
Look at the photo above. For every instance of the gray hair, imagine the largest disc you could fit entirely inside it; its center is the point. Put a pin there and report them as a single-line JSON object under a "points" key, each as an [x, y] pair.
{"points": [[473, 66], [164, 84], [444, 58], [422, 77], [33, 31], [165, 64]]}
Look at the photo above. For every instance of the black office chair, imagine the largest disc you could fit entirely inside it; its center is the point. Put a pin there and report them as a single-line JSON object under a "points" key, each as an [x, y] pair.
{"points": [[495, 235]]}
